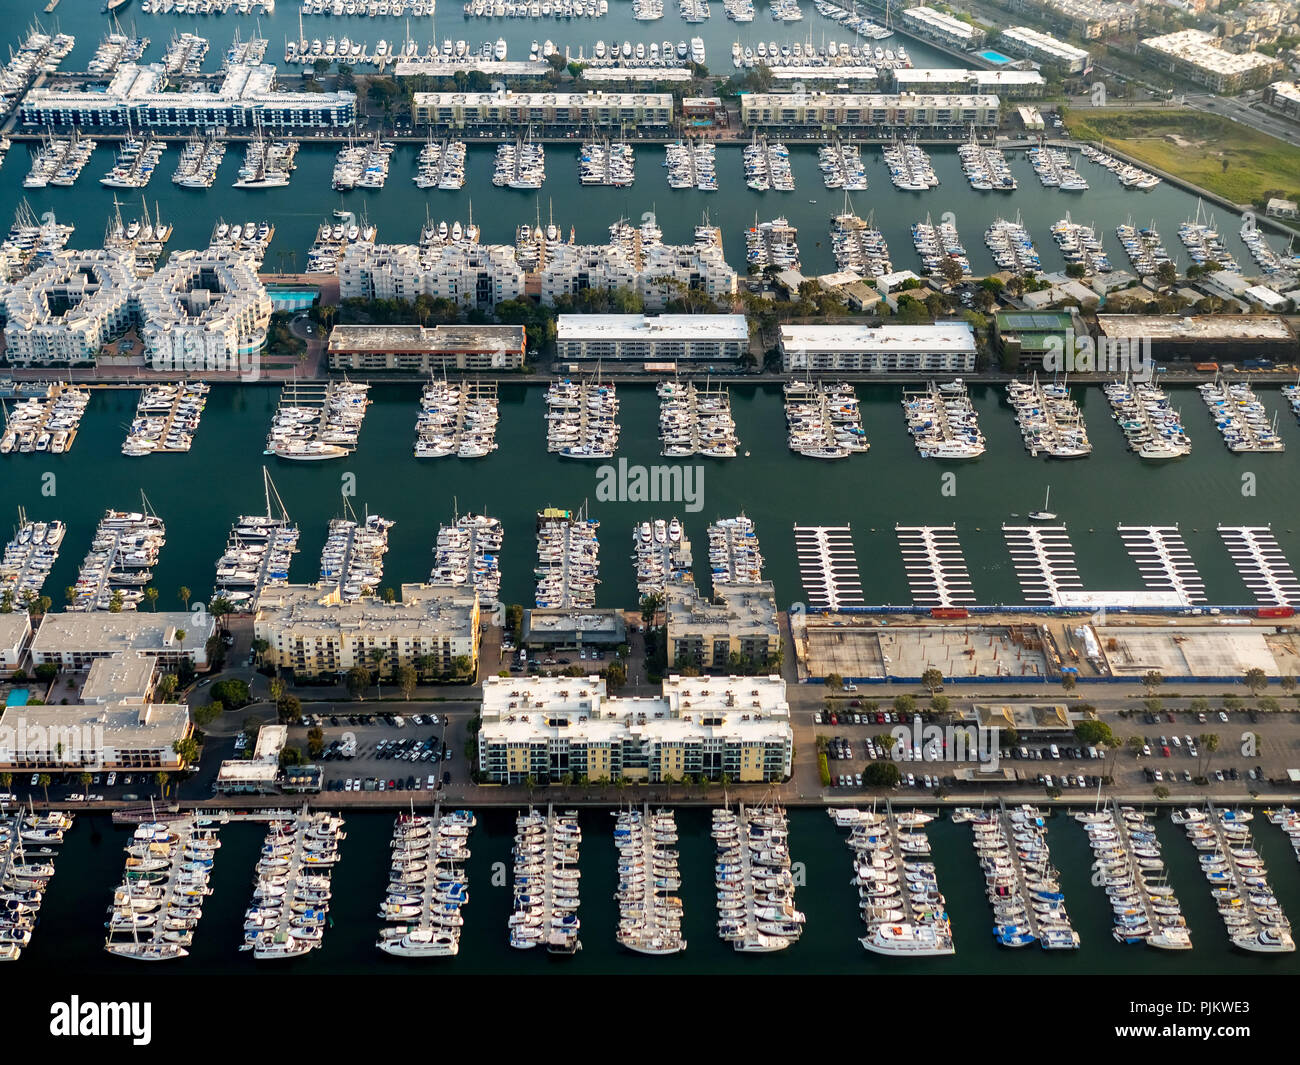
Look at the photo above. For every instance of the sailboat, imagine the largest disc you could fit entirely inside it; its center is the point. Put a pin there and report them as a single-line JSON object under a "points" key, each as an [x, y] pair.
{"points": [[1044, 514]]}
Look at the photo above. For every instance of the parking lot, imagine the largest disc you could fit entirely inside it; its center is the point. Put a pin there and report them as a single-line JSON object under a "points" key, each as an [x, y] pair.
{"points": [[383, 752]]}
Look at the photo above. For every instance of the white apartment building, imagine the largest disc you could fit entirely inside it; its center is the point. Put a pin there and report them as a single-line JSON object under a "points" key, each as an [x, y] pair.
{"points": [[74, 639], [946, 29], [1044, 48], [547, 727], [1009, 84], [473, 275], [65, 311], [945, 347], [203, 307], [139, 96], [712, 338]]}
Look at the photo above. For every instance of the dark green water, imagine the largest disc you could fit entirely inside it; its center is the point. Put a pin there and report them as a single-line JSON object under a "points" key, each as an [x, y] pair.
{"points": [[70, 934], [398, 210], [198, 495]]}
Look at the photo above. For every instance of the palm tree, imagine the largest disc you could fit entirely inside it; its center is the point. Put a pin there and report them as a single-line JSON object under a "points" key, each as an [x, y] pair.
{"points": [[377, 655], [1208, 746], [85, 779], [151, 596], [162, 778], [44, 781], [183, 594]]}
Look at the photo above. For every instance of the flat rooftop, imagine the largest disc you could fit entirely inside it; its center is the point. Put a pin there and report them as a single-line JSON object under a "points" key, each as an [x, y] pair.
{"points": [[119, 677], [853, 648], [656, 327], [424, 340], [1200, 651], [944, 336], [100, 632], [1195, 327]]}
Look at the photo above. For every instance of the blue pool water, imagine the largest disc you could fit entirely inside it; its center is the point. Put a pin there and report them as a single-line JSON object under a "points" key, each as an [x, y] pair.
{"points": [[995, 57], [17, 697]]}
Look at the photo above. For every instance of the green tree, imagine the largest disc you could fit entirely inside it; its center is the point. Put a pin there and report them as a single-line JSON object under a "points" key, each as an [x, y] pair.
{"points": [[881, 775], [1152, 680], [833, 682], [1093, 733], [151, 597], [905, 704], [184, 594], [1069, 681], [358, 680], [1256, 680], [44, 781], [315, 742], [407, 680], [187, 750]]}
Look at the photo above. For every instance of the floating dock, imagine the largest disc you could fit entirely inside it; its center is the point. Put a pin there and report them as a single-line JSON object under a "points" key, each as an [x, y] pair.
{"points": [[160, 902], [352, 560], [936, 568], [28, 843], [734, 553], [662, 555], [695, 421], [546, 877], [458, 420], [828, 566], [468, 554], [753, 858], [1263, 567], [258, 552], [28, 558], [426, 890], [120, 561], [292, 888], [568, 559], [1163, 560], [166, 418], [46, 423], [650, 914], [1044, 561]]}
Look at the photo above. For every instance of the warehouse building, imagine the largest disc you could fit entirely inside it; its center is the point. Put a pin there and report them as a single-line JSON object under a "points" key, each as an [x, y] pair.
{"points": [[946, 347], [419, 349]]}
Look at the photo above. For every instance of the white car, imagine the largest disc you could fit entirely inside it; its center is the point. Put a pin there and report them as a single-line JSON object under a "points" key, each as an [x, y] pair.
{"points": [[1223, 716], [112, 779]]}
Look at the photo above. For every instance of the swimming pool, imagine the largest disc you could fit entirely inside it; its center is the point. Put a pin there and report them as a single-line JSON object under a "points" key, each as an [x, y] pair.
{"points": [[995, 57], [17, 697]]}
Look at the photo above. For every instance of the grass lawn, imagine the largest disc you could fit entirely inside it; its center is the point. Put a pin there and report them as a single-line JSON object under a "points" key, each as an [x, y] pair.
{"points": [[1237, 162]]}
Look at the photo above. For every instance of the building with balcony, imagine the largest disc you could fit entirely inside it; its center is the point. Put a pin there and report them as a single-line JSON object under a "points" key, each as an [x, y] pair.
{"points": [[945, 347], [419, 349]]}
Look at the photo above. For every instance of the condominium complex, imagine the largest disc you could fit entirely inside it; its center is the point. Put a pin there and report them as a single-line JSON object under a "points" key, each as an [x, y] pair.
{"points": [[863, 111], [117, 726], [66, 310], [942, 28], [73, 640], [545, 728], [945, 347], [204, 307], [1197, 56], [140, 97], [472, 275], [315, 634], [1008, 84], [608, 111], [419, 349], [1044, 48], [737, 626], [681, 338], [1088, 19], [656, 272]]}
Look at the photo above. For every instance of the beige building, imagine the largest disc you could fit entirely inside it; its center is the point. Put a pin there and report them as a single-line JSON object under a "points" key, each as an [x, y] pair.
{"points": [[549, 727], [72, 640], [577, 110], [314, 633], [1198, 56], [116, 727], [740, 620], [15, 632], [859, 111]]}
